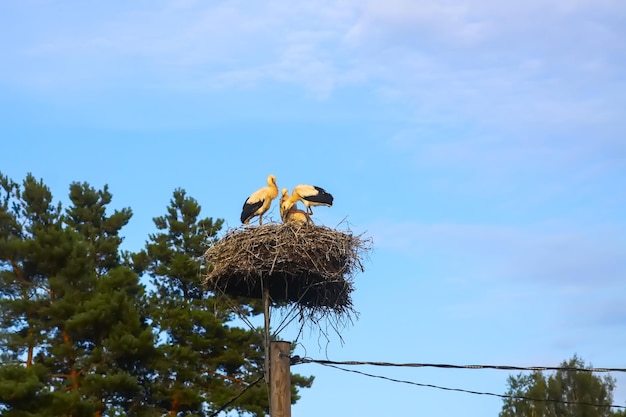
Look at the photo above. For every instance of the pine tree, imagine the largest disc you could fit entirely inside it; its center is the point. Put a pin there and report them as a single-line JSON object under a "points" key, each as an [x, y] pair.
{"points": [[72, 325], [31, 247], [204, 362]]}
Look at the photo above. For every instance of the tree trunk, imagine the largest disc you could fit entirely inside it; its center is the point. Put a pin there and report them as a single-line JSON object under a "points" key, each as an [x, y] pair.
{"points": [[73, 373], [31, 347], [175, 405]]}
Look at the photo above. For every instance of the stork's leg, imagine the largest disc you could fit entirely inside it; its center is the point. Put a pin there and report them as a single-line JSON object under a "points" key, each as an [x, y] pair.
{"points": [[260, 220]]}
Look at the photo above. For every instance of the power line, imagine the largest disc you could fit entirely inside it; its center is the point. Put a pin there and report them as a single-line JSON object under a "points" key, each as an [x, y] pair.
{"points": [[514, 397], [223, 407], [297, 360]]}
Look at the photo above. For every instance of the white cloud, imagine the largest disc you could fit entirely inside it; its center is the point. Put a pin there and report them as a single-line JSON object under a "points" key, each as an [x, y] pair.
{"points": [[202, 44], [512, 65], [389, 19]]}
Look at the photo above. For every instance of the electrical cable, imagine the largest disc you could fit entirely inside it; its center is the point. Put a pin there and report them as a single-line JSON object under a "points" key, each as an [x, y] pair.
{"points": [[515, 397], [223, 407], [439, 365]]}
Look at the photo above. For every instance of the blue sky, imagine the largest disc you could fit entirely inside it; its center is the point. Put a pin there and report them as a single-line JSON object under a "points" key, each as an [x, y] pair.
{"points": [[481, 145]]}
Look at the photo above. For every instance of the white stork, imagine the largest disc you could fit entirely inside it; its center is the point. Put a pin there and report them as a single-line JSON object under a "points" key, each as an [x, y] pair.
{"points": [[310, 195], [259, 201]]}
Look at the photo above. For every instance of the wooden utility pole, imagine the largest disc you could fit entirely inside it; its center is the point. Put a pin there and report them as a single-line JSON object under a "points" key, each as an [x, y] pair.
{"points": [[280, 380]]}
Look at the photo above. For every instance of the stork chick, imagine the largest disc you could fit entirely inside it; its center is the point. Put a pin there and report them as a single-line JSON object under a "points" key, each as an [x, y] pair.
{"points": [[283, 204], [259, 201], [300, 216]]}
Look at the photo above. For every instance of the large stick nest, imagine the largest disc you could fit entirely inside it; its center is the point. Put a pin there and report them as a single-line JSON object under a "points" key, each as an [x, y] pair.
{"points": [[312, 266]]}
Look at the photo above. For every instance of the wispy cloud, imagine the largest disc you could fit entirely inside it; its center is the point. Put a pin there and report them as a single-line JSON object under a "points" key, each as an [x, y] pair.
{"points": [[520, 39], [204, 45], [515, 66]]}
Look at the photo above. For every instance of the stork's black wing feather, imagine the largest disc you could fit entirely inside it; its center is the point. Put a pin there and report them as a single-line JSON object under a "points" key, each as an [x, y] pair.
{"points": [[248, 210]]}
